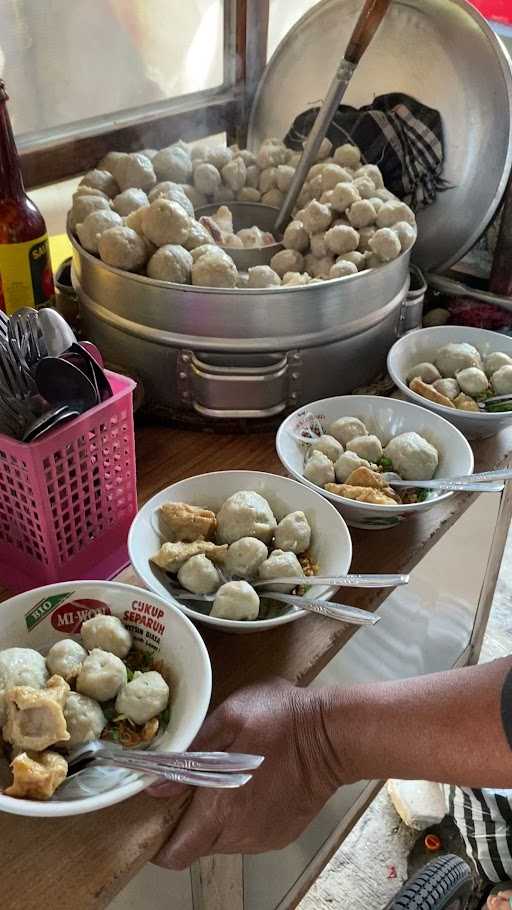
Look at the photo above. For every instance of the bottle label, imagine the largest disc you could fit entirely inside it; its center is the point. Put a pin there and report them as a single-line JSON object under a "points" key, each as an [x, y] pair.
{"points": [[25, 275]]}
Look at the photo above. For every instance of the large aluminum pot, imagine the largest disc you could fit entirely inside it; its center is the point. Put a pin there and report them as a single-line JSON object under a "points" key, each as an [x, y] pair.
{"points": [[242, 352]]}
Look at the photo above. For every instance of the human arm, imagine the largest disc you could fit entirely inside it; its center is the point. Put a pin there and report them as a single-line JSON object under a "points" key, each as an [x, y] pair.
{"points": [[445, 727]]}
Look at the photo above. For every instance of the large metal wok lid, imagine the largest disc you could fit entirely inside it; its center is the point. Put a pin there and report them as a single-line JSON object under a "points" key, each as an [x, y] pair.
{"points": [[441, 52]]}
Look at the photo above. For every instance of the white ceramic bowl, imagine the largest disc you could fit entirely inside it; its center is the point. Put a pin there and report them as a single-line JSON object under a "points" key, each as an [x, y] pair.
{"points": [[39, 618], [386, 417], [422, 345], [331, 545]]}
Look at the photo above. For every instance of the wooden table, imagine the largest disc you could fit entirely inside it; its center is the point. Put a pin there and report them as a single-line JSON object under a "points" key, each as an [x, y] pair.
{"points": [[85, 861]]}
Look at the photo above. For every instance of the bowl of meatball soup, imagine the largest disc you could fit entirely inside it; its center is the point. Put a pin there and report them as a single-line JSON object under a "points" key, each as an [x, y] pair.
{"points": [[92, 660], [212, 545], [344, 447]]}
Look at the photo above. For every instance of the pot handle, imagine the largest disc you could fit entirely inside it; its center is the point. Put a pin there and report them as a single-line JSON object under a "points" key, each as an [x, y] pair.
{"points": [[250, 386]]}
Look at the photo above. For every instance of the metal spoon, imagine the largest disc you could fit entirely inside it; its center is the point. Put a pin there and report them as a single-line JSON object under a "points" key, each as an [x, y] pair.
{"points": [[57, 333], [340, 581], [49, 421], [460, 485], [498, 404], [59, 382]]}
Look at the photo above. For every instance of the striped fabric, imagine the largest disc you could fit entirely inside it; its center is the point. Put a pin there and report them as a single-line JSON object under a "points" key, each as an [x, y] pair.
{"points": [[484, 819], [399, 134]]}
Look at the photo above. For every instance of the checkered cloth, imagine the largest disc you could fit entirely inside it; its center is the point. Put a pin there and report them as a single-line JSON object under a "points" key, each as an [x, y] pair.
{"points": [[401, 135]]}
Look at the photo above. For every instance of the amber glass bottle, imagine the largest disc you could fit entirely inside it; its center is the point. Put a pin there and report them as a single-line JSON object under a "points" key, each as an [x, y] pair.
{"points": [[25, 269]]}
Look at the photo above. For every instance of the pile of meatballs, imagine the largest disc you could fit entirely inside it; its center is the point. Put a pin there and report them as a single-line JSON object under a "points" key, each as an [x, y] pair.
{"points": [[137, 213]]}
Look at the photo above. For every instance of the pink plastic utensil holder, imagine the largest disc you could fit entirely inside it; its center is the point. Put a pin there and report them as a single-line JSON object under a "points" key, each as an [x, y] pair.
{"points": [[67, 501]]}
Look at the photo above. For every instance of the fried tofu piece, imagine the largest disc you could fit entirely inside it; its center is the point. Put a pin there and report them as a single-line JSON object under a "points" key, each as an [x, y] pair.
{"points": [[171, 556], [35, 717], [465, 403], [364, 477], [361, 494], [428, 391], [187, 523], [36, 775]]}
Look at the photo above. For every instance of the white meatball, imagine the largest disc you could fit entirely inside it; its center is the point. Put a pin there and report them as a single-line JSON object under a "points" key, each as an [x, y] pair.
{"points": [[84, 205], [318, 245], [319, 469], [365, 236], [348, 156], [65, 658], [287, 261], [267, 179], [248, 194], [341, 239], [342, 268], [134, 221], [110, 161], [367, 447], [296, 237], [165, 222], [149, 153], [20, 667], [494, 361], [129, 201], [362, 214], [252, 179], [406, 234], [326, 198], [293, 533], [344, 196], [249, 157], [207, 179], [101, 676], [91, 229], [85, 719], [198, 153], [219, 156], [88, 191], [347, 428], [280, 564], [454, 357], [199, 575], [271, 154], [322, 267], [173, 163], [472, 381], [175, 193], [197, 236], [333, 174], [145, 697], [437, 316], [329, 446], [252, 238], [234, 174], [296, 279], [447, 387], [204, 248], [385, 244], [317, 217], [245, 514], [273, 197], [325, 149], [347, 463], [214, 269], [393, 212], [378, 203], [106, 633], [284, 177], [502, 380], [122, 248], [135, 170], [194, 196], [171, 263], [358, 259], [245, 556], [100, 180], [236, 600], [425, 371], [373, 172], [412, 456], [365, 187], [262, 276]]}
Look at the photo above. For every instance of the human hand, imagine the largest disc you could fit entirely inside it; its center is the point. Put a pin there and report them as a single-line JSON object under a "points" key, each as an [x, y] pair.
{"points": [[299, 774]]}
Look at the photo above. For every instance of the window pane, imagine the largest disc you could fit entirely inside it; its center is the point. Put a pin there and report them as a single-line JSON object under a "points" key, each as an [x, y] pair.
{"points": [[69, 60]]}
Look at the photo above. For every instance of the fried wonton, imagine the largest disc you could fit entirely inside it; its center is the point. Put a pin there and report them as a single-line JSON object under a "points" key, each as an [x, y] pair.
{"points": [[36, 775], [364, 477], [465, 403], [171, 556], [428, 391], [361, 494], [187, 523], [35, 717]]}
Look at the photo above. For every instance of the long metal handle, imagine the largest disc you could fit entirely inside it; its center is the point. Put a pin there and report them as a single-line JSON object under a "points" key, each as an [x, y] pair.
{"points": [[190, 778], [189, 761], [341, 581], [340, 612], [459, 289], [456, 486], [366, 26], [504, 474]]}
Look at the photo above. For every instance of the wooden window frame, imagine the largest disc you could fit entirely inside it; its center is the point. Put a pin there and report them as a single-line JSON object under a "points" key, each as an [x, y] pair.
{"points": [[75, 148]]}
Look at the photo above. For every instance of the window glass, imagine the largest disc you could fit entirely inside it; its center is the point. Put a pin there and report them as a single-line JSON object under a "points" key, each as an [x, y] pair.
{"points": [[69, 60]]}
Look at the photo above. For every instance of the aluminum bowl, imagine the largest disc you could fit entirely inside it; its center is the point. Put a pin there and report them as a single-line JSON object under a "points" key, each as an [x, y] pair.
{"points": [[247, 215]]}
